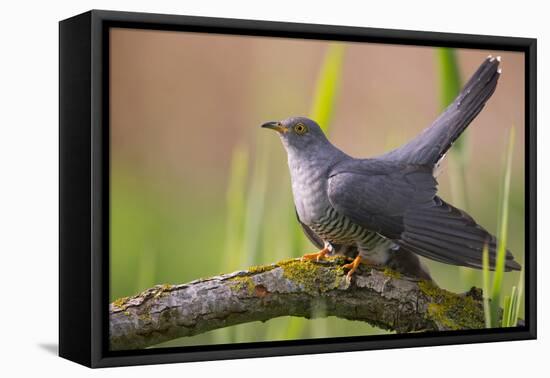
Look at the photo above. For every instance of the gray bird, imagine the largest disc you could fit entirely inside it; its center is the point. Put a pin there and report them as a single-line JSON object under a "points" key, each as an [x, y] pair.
{"points": [[384, 211]]}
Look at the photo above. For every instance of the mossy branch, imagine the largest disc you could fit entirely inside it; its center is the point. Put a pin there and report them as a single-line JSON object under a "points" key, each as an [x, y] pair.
{"points": [[289, 288]]}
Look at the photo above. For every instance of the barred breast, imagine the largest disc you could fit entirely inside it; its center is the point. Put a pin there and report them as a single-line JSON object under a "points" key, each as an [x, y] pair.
{"points": [[338, 229]]}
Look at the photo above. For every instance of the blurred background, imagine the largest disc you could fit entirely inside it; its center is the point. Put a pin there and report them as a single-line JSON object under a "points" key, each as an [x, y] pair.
{"points": [[198, 189]]}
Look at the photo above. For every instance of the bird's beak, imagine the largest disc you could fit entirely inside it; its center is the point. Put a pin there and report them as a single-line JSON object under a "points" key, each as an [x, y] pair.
{"points": [[277, 126]]}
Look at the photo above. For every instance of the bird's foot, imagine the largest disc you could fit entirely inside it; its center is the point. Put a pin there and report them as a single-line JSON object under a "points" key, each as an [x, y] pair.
{"points": [[317, 255], [352, 266]]}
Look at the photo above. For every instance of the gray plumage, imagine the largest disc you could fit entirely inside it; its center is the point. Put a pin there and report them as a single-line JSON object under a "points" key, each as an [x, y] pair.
{"points": [[386, 208]]}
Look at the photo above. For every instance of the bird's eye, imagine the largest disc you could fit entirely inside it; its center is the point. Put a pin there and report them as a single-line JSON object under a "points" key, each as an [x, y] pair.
{"points": [[300, 128]]}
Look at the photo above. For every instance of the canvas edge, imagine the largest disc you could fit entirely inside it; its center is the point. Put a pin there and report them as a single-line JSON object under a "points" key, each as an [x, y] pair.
{"points": [[98, 355], [74, 189]]}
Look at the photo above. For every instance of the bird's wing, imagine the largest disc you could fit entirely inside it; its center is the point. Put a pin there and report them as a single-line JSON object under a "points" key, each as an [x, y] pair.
{"points": [[399, 202], [431, 144], [376, 194], [311, 235]]}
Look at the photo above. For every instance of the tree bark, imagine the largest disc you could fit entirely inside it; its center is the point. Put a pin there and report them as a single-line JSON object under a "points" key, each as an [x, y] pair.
{"points": [[290, 288]]}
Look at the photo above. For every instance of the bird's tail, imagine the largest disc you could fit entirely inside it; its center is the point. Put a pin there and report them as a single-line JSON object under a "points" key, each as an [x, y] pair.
{"points": [[447, 234], [432, 143]]}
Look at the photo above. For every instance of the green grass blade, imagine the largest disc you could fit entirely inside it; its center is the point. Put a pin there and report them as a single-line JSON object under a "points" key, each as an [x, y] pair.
{"points": [[506, 311], [513, 314], [235, 209], [450, 84], [486, 284], [510, 321], [512, 304], [255, 205], [509, 317], [449, 76], [503, 232], [327, 87], [519, 297]]}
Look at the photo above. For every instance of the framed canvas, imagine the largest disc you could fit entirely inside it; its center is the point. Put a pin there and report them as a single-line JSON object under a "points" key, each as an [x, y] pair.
{"points": [[388, 199]]}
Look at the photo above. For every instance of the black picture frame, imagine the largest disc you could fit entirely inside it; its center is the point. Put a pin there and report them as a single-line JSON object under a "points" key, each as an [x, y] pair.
{"points": [[84, 186]]}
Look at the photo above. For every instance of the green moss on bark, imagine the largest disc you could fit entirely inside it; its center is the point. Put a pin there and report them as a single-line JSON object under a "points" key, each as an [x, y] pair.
{"points": [[314, 278], [121, 303], [260, 268], [392, 273], [452, 311], [243, 283]]}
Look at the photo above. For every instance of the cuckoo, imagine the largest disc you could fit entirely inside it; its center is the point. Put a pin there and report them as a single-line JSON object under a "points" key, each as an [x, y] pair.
{"points": [[385, 211]]}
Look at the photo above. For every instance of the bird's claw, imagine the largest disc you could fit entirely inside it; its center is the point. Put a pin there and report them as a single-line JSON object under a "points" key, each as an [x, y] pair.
{"points": [[317, 256], [352, 266]]}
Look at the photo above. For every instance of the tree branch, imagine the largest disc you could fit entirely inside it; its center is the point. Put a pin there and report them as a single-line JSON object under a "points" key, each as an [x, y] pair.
{"points": [[290, 288]]}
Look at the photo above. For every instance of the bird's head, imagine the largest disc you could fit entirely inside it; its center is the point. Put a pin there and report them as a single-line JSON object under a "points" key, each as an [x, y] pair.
{"points": [[298, 133]]}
